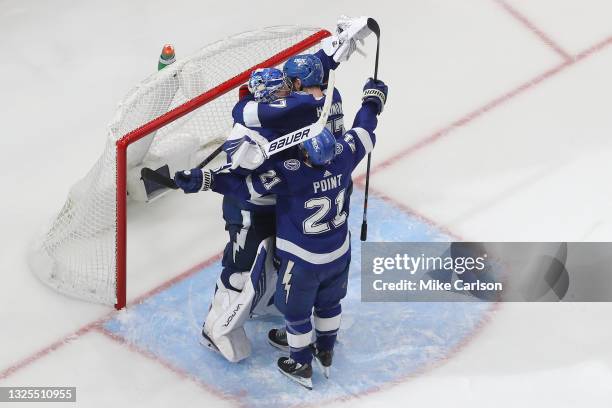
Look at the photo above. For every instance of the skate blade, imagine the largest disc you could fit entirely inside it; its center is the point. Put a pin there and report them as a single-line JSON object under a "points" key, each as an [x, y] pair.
{"points": [[326, 370], [278, 346], [304, 382], [208, 343]]}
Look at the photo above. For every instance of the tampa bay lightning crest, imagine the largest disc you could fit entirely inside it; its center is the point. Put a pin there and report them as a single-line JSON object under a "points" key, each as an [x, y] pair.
{"points": [[339, 149], [292, 164]]}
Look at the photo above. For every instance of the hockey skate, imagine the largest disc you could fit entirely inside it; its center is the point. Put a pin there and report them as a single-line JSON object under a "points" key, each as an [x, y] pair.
{"points": [[324, 360], [278, 338], [300, 373]]}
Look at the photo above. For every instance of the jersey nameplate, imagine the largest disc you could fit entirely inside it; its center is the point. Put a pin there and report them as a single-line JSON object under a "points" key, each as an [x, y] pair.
{"points": [[327, 184]]}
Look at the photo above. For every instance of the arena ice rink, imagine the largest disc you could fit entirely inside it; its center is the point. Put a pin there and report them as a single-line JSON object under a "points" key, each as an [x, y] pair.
{"points": [[497, 129]]}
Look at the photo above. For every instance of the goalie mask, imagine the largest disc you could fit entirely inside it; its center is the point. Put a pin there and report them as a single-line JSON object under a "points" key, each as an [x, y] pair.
{"points": [[268, 84]]}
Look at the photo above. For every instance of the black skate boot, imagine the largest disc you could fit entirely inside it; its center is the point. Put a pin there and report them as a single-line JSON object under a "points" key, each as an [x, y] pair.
{"points": [[324, 360], [300, 373], [278, 338]]}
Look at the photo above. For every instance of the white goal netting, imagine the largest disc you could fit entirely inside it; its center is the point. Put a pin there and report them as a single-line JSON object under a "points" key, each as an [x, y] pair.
{"points": [[78, 253]]}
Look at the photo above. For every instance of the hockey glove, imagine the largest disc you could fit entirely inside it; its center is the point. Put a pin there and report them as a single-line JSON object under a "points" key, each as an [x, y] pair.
{"points": [[375, 91], [349, 31], [192, 181]]}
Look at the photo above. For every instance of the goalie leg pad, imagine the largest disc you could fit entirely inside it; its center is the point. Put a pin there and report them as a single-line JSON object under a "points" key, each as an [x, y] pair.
{"points": [[223, 324], [230, 308]]}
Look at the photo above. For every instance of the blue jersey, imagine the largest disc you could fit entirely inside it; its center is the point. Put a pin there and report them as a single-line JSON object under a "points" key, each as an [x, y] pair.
{"points": [[311, 210], [293, 112], [285, 115]]}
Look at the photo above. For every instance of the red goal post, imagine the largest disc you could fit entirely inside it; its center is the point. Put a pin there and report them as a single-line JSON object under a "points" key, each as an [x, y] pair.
{"points": [[171, 120], [165, 119]]}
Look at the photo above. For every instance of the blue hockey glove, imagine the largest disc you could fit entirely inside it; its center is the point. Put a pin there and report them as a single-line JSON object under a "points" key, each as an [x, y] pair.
{"points": [[375, 91], [190, 181]]}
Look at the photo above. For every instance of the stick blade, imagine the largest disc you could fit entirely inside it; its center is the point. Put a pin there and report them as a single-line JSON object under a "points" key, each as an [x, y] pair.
{"points": [[151, 175], [373, 26]]}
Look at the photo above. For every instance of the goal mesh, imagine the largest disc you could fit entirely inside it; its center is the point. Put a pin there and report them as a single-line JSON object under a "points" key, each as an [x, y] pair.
{"points": [[185, 107]]}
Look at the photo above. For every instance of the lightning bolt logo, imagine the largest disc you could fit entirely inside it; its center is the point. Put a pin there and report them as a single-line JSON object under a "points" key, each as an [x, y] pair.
{"points": [[287, 280], [242, 235]]}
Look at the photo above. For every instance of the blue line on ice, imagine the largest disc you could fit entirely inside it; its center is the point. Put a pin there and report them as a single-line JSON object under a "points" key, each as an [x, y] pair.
{"points": [[378, 343]]}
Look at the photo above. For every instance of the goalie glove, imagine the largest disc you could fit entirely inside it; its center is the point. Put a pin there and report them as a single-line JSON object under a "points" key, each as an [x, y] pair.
{"points": [[349, 31]]}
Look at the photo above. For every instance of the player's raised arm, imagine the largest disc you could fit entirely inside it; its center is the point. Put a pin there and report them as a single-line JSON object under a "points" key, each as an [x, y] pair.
{"points": [[361, 137]]}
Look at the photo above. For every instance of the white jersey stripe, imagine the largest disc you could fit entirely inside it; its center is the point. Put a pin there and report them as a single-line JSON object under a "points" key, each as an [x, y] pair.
{"points": [[312, 257], [250, 115], [365, 138]]}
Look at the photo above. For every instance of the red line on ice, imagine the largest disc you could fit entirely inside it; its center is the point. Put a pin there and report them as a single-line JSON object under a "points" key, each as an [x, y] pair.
{"points": [[478, 112], [181, 373], [535, 30], [97, 325]]}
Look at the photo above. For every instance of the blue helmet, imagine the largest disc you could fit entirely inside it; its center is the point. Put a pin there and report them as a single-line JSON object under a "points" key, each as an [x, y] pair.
{"points": [[321, 148], [264, 83], [307, 67]]}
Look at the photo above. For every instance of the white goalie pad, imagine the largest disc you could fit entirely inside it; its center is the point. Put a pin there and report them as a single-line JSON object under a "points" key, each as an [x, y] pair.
{"points": [[230, 309]]}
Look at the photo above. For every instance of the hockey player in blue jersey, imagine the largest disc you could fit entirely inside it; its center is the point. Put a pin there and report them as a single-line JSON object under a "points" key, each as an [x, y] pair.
{"points": [[313, 241]]}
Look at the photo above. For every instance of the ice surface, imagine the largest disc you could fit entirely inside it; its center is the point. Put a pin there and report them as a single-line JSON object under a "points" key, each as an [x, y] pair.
{"points": [[519, 150]]}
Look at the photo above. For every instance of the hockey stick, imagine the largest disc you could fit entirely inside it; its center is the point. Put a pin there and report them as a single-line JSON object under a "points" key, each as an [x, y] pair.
{"points": [[271, 148], [373, 26], [307, 132], [151, 175]]}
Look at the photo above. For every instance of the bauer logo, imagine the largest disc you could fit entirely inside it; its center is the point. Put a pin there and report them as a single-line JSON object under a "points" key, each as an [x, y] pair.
{"points": [[292, 164], [288, 140]]}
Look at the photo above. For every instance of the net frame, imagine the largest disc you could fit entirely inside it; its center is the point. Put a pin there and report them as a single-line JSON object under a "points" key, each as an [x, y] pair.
{"points": [[172, 115]]}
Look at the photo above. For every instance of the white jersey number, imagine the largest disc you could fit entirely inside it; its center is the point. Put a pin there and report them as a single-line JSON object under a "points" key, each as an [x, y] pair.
{"points": [[269, 179], [312, 224]]}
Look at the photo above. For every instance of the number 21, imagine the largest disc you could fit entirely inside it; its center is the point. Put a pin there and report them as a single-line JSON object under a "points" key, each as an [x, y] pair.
{"points": [[312, 224]]}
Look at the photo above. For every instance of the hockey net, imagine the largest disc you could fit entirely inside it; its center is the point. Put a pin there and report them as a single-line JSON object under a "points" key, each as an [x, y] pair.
{"points": [[169, 122]]}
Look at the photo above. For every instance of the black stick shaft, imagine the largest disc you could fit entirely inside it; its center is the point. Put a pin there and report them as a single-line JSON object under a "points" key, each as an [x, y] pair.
{"points": [[372, 25], [152, 175]]}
